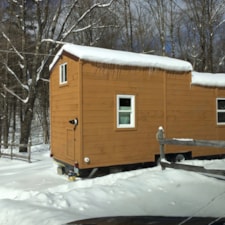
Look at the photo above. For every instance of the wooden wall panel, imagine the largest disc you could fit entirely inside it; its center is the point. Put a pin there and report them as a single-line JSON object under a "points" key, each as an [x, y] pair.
{"points": [[162, 99], [191, 113], [103, 143], [65, 106], [186, 111]]}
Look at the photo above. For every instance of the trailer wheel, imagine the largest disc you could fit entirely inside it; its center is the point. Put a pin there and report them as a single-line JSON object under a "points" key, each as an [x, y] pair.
{"points": [[179, 158]]}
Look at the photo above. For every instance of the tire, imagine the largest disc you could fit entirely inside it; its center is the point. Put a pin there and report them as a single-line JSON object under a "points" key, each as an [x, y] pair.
{"points": [[179, 158]]}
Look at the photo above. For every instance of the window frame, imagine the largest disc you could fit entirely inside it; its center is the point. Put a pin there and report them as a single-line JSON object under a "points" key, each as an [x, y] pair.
{"points": [[219, 111], [63, 78], [132, 123]]}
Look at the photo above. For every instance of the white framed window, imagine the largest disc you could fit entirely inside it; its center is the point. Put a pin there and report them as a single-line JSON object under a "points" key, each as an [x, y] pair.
{"points": [[125, 111], [220, 111], [63, 73]]}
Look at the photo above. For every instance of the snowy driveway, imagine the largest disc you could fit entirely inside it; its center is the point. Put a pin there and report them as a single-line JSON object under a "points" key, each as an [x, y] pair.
{"points": [[32, 193]]}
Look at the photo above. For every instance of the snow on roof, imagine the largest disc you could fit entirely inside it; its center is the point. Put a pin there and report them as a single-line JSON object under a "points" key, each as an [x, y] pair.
{"points": [[125, 58], [108, 56], [208, 79]]}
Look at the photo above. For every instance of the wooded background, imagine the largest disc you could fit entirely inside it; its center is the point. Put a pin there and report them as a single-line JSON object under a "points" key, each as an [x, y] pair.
{"points": [[32, 31]]}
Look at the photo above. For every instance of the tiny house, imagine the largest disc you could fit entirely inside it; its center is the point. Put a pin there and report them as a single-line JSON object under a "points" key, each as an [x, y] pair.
{"points": [[106, 106]]}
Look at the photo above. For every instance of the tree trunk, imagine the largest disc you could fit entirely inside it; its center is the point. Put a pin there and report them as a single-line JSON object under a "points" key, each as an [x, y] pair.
{"points": [[44, 106], [5, 124], [45, 127], [14, 121], [26, 124], [0, 133]]}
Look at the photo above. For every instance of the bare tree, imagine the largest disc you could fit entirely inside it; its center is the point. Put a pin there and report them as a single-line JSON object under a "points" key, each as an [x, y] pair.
{"points": [[98, 29], [173, 21], [158, 10], [205, 18], [40, 25], [8, 103], [124, 11], [32, 32], [143, 29]]}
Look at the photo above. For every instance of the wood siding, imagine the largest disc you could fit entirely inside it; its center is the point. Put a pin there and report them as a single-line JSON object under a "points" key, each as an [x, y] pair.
{"points": [[65, 106], [162, 98], [105, 144], [191, 113]]}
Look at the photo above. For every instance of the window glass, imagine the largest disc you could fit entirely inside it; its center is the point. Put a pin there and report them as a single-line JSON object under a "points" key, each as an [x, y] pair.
{"points": [[124, 118], [125, 111], [221, 104], [63, 73], [221, 117], [125, 103], [220, 111]]}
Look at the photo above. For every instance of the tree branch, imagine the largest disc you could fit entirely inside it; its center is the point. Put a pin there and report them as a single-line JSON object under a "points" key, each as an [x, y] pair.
{"points": [[18, 80], [14, 48], [14, 94], [96, 5]]}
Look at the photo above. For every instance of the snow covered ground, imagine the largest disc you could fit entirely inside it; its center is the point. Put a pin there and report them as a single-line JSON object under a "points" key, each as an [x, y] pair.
{"points": [[32, 193]]}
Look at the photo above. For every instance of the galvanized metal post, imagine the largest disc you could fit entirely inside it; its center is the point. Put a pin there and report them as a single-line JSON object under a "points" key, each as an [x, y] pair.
{"points": [[160, 136]]}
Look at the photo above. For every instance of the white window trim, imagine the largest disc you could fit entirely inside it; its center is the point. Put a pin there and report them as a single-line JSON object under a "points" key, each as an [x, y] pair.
{"points": [[219, 110], [132, 112], [63, 74]]}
